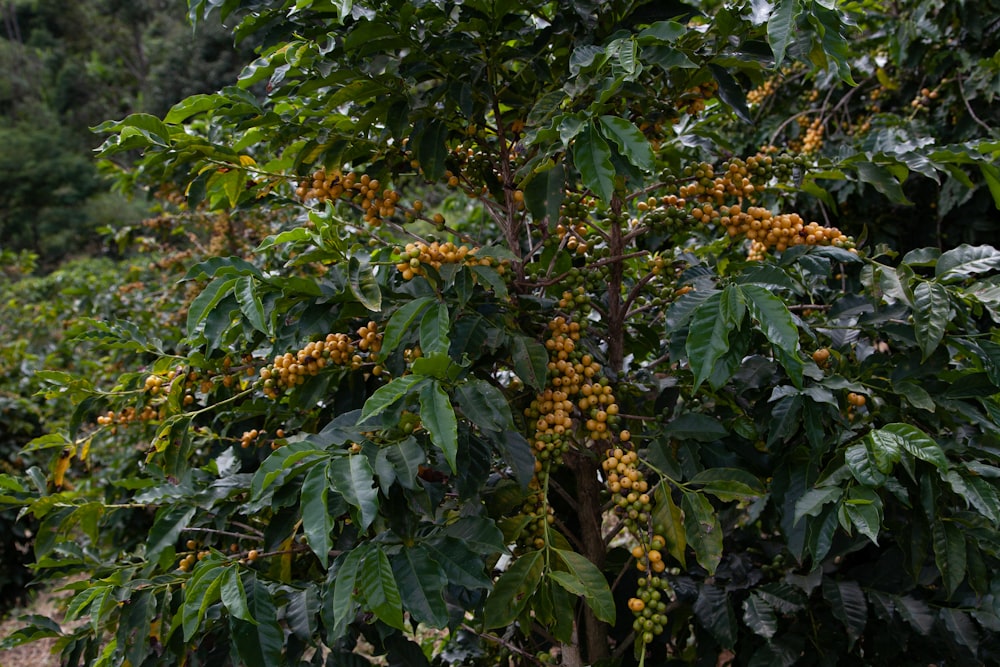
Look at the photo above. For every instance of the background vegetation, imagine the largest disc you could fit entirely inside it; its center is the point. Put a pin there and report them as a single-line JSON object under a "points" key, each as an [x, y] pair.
{"points": [[588, 334]]}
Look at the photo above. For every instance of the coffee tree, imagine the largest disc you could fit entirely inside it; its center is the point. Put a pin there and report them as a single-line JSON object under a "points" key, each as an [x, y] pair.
{"points": [[548, 355]]}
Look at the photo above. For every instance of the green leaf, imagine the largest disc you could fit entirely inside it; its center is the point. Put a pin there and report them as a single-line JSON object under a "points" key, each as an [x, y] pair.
{"points": [[259, 644], [708, 338], [931, 314], [916, 612], [632, 143], [910, 439], [966, 261], [703, 531], [961, 628], [759, 616], [363, 284], [432, 149], [729, 483], [438, 418], [434, 328], [696, 426], [862, 463], [863, 507], [530, 361], [780, 29], [669, 522], [811, 503], [280, 462], [251, 306], [478, 533], [208, 299], [991, 174], [883, 181], [484, 405], [731, 93], [203, 590], [776, 323], [387, 395], [421, 581], [848, 605], [317, 523], [513, 590], [592, 157], [715, 613], [192, 106], [977, 492], [167, 528], [378, 586], [594, 586], [353, 478], [340, 604], [233, 595], [404, 459], [949, 553]]}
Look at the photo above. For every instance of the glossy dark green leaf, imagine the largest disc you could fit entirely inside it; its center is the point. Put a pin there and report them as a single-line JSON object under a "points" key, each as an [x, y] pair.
{"points": [[863, 465], [592, 157], [378, 586], [669, 522], [386, 395], [170, 522], [882, 180], [339, 604], [863, 507], [363, 284], [966, 261], [302, 612], [848, 604], [729, 483], [813, 501], [703, 531], [438, 418], [234, 596], [434, 328], [209, 297], [513, 590], [530, 361], [909, 438], [715, 613], [260, 644], [931, 314], [317, 524], [281, 462], [961, 628], [203, 590], [731, 93], [352, 477], [401, 323], [759, 616], [432, 149], [421, 580], [916, 612], [592, 582], [977, 492], [775, 321], [403, 459], [631, 143], [781, 28], [696, 426], [708, 338], [484, 405], [949, 553], [462, 566]]}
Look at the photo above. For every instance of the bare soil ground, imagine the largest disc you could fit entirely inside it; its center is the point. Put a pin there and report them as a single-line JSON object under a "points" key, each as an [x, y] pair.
{"points": [[36, 654]]}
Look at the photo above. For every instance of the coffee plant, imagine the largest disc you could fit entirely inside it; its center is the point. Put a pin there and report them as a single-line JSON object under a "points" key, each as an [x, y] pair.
{"points": [[551, 334]]}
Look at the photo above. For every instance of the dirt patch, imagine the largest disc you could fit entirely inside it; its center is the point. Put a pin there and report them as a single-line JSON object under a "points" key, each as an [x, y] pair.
{"points": [[48, 602]]}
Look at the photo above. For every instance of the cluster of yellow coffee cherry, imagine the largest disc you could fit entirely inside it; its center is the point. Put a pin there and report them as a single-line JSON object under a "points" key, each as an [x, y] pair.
{"points": [[377, 202], [416, 256], [128, 415], [291, 369], [813, 139], [693, 100], [854, 402], [777, 231], [250, 437], [763, 91]]}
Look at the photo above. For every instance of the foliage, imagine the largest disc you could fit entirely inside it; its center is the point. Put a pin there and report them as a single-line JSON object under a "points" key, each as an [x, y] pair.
{"points": [[533, 349]]}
